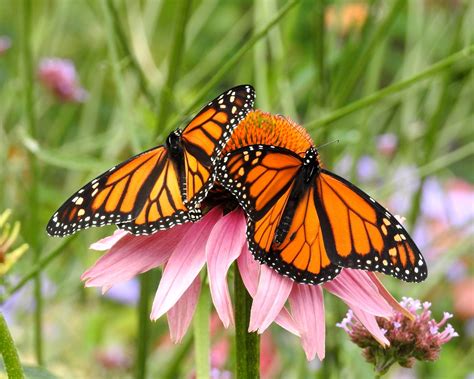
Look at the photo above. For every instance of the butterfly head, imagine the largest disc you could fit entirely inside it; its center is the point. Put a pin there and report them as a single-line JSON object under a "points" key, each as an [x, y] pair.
{"points": [[173, 142], [311, 164]]}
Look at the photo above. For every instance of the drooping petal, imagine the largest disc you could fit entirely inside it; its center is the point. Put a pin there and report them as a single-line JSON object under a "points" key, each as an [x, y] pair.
{"points": [[109, 241], [370, 323], [307, 308], [223, 247], [184, 264], [388, 296], [356, 288], [181, 314], [272, 293], [249, 270], [132, 255]]}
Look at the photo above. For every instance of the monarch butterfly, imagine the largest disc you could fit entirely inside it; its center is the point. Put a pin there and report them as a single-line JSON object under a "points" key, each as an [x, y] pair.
{"points": [[163, 186], [307, 223]]}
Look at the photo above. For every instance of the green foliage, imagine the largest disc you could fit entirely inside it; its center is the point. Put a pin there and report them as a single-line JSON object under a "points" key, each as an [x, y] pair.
{"points": [[407, 69]]}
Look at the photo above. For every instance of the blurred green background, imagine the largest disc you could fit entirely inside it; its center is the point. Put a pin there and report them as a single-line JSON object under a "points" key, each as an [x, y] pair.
{"points": [[144, 67]]}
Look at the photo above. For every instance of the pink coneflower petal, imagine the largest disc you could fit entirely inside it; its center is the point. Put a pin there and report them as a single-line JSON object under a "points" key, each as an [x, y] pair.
{"points": [[307, 308], [249, 270], [185, 263], [108, 242], [181, 314], [272, 294], [355, 288], [370, 323], [132, 255], [223, 247]]}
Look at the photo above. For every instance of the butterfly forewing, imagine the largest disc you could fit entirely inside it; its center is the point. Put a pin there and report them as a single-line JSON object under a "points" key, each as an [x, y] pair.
{"points": [[362, 234], [206, 136], [116, 196]]}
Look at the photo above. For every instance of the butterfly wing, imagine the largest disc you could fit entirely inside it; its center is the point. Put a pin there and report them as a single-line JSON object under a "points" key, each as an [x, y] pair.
{"points": [[206, 136], [140, 195], [263, 179], [360, 233]]}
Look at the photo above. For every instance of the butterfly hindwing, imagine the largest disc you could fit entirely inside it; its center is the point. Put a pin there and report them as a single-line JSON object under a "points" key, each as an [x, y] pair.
{"points": [[206, 135], [363, 234], [263, 179]]}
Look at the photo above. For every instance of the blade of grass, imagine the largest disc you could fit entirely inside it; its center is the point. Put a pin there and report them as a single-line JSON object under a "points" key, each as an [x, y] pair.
{"points": [[392, 89], [117, 75], [232, 61], [348, 79], [28, 85], [125, 46], [183, 10], [143, 338]]}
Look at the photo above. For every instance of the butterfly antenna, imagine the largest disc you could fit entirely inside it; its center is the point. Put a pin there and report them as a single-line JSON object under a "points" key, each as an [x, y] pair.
{"points": [[326, 144]]}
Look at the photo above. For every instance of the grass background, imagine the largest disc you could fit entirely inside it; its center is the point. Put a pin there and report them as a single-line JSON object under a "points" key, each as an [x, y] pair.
{"points": [[147, 66]]}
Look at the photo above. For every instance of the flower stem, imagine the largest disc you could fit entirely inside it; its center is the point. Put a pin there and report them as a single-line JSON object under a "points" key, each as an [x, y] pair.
{"points": [[202, 339], [247, 345], [28, 84], [8, 352], [143, 325]]}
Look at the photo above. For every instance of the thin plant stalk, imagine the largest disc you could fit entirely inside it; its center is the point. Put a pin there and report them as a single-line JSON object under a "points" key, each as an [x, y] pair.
{"points": [[247, 345], [28, 85], [143, 338], [392, 89], [9, 353], [40, 265], [202, 338]]}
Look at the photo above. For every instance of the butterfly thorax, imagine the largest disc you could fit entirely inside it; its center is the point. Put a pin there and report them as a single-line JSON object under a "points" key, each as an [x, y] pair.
{"points": [[174, 145], [311, 165]]}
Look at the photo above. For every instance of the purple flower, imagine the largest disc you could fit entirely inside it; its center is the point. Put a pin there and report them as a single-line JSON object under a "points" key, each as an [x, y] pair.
{"points": [[218, 241], [5, 44], [125, 292], [418, 337], [60, 77]]}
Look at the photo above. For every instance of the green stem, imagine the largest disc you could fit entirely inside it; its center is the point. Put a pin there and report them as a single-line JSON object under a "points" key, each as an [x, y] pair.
{"points": [[247, 345], [175, 363], [28, 82], [38, 267], [202, 338], [392, 89], [143, 338], [222, 71], [123, 41], [183, 10], [9, 352]]}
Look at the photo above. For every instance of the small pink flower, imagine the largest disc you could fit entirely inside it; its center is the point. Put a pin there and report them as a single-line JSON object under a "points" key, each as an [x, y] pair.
{"points": [[60, 77], [5, 44], [416, 338], [387, 144], [218, 241]]}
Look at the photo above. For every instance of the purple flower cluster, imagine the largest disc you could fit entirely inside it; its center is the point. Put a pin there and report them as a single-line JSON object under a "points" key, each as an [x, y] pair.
{"points": [[5, 44], [60, 77], [419, 337]]}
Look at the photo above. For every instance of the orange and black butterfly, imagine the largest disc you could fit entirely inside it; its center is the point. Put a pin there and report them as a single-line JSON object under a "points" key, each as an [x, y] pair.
{"points": [[308, 223], [163, 186]]}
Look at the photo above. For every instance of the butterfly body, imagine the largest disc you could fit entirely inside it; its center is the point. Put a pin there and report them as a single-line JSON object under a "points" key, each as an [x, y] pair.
{"points": [[308, 223]]}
